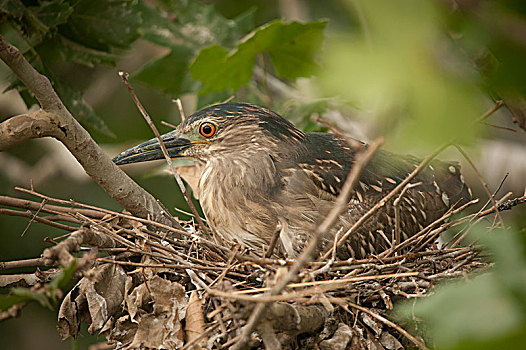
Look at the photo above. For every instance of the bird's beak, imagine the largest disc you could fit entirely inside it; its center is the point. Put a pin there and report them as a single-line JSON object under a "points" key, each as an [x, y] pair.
{"points": [[151, 150]]}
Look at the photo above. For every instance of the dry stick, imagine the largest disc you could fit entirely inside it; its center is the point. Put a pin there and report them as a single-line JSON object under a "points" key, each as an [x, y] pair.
{"points": [[169, 216], [34, 216], [496, 106], [130, 217], [411, 240], [317, 287], [355, 144], [495, 193], [339, 205], [456, 239], [273, 242], [168, 124], [42, 220], [331, 261], [228, 266], [499, 127], [329, 283], [48, 208], [15, 264], [460, 234], [160, 265], [389, 323], [124, 77], [181, 110], [484, 184], [385, 199], [431, 234]]}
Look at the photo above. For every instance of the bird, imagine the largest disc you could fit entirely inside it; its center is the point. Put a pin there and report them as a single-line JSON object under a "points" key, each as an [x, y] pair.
{"points": [[261, 177]]}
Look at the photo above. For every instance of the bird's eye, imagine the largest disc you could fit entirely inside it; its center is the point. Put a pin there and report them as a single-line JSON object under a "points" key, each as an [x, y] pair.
{"points": [[207, 129]]}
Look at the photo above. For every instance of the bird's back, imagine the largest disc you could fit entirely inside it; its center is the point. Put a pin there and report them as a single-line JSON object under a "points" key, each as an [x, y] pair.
{"points": [[315, 174]]}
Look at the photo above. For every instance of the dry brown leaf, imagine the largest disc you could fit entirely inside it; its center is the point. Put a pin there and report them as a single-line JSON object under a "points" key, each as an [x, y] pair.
{"points": [[93, 300], [161, 327], [341, 338], [195, 321]]}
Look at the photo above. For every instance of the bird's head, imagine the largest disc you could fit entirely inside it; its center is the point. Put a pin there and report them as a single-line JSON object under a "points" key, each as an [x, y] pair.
{"points": [[218, 131]]}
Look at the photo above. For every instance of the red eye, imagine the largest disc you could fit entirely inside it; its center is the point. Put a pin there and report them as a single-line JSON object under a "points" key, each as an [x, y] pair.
{"points": [[207, 129]]}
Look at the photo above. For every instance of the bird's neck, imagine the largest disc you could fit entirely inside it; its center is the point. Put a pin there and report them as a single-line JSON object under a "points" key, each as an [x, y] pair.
{"points": [[231, 186], [249, 174]]}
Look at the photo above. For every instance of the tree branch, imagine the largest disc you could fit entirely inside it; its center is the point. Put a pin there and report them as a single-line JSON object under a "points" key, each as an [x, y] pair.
{"points": [[54, 120]]}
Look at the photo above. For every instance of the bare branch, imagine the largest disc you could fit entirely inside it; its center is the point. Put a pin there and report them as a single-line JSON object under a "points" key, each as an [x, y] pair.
{"points": [[56, 121]]}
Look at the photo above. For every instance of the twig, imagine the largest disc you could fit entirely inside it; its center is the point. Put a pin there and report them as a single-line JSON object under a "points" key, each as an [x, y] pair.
{"points": [[389, 323], [489, 112], [317, 287], [124, 77], [169, 216], [181, 110], [168, 124], [484, 184], [6, 265], [499, 127], [54, 120], [354, 143], [331, 261], [33, 217], [48, 208], [273, 241], [43, 220]]}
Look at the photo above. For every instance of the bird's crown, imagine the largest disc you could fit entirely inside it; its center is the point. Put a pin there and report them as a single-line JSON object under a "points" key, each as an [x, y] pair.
{"points": [[239, 119]]}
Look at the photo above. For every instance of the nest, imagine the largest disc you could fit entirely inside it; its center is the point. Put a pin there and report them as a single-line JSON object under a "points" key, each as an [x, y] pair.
{"points": [[148, 285]]}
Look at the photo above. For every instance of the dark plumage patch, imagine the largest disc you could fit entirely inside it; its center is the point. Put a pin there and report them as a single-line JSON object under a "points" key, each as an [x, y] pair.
{"points": [[329, 169]]}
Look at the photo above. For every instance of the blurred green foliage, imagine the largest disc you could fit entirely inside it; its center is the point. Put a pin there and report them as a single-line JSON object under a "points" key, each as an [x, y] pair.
{"points": [[403, 68], [487, 311], [46, 297]]}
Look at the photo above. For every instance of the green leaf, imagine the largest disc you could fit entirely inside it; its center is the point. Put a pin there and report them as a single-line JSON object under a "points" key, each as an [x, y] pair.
{"points": [[201, 24], [52, 13], [291, 46], [36, 22], [191, 24], [22, 295], [184, 27], [103, 24], [169, 73], [161, 28], [58, 49], [13, 8], [219, 71], [63, 277]]}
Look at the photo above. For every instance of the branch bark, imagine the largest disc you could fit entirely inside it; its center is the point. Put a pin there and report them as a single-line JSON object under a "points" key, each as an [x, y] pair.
{"points": [[54, 120]]}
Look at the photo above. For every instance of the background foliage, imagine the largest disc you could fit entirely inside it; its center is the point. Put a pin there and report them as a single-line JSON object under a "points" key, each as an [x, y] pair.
{"points": [[419, 73]]}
